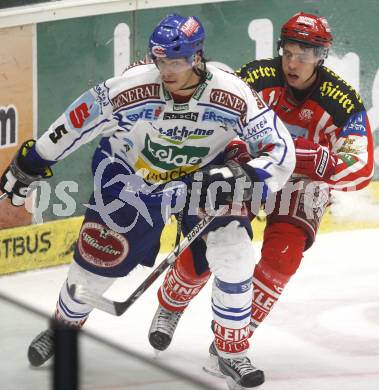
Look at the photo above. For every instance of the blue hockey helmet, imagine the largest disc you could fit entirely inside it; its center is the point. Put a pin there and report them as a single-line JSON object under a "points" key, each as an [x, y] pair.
{"points": [[177, 36]]}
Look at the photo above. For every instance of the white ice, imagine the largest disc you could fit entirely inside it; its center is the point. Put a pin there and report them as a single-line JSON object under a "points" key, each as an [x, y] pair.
{"points": [[322, 335]]}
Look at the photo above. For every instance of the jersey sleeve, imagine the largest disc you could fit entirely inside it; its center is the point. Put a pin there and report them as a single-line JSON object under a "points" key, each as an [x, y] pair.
{"points": [[270, 144], [87, 117], [352, 144]]}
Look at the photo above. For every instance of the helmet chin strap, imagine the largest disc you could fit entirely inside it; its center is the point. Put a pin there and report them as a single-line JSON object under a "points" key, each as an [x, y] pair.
{"points": [[315, 70], [190, 87], [199, 72]]}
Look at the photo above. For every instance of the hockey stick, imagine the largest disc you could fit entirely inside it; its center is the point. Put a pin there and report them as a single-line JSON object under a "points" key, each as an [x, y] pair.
{"points": [[3, 196], [117, 308]]}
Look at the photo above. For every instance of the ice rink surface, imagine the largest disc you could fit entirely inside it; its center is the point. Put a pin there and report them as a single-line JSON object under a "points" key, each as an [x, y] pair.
{"points": [[323, 334]]}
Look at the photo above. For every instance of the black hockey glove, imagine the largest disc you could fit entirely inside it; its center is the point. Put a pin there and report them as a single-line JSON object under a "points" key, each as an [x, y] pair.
{"points": [[17, 179], [223, 185]]}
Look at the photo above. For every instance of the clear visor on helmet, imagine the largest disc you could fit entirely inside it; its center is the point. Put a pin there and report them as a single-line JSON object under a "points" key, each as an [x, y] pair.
{"points": [[174, 65], [305, 55]]}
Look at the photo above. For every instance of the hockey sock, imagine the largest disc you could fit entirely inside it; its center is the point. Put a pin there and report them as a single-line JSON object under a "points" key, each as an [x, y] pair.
{"points": [[181, 283], [267, 290], [71, 311], [231, 259], [282, 251], [231, 341]]}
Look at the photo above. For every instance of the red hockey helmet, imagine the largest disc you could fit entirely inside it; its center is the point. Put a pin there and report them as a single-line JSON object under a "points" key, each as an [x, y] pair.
{"points": [[308, 29]]}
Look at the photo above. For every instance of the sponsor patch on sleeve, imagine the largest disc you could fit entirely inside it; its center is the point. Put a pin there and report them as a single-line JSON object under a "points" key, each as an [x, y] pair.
{"points": [[83, 110], [356, 125], [348, 159], [258, 129]]}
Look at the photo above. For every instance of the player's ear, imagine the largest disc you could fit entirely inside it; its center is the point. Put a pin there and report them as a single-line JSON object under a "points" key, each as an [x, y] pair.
{"points": [[197, 58]]}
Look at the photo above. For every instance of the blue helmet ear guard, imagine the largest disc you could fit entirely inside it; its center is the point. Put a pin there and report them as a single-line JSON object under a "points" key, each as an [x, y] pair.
{"points": [[176, 36]]}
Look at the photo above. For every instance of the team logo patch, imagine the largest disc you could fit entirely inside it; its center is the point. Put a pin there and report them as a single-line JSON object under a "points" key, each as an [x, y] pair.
{"points": [[101, 246], [158, 51], [305, 20], [306, 114], [190, 26]]}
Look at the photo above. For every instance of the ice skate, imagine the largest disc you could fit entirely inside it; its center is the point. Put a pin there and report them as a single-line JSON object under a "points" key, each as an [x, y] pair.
{"points": [[41, 348], [239, 373], [163, 327]]}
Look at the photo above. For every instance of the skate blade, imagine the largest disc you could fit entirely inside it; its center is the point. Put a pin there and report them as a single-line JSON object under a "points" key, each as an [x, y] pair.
{"points": [[156, 353], [211, 367], [233, 385]]}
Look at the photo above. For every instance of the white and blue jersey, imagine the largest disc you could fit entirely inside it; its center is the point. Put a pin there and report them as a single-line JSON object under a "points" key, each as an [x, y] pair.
{"points": [[147, 136], [163, 141]]}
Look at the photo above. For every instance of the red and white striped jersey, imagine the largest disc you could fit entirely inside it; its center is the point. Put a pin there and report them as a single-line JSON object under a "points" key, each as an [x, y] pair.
{"points": [[332, 115]]}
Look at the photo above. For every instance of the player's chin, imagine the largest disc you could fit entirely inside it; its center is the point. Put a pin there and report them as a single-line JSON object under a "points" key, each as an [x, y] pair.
{"points": [[172, 86], [293, 80]]}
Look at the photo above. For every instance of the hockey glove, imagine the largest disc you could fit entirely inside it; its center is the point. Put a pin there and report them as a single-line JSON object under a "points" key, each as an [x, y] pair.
{"points": [[17, 179], [236, 150], [223, 185], [314, 160]]}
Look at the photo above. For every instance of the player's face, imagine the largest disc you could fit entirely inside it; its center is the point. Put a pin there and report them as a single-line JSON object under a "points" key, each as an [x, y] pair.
{"points": [[176, 74], [298, 65]]}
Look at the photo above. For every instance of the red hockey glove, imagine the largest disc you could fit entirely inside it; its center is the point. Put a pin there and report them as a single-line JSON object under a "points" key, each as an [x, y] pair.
{"points": [[236, 150], [314, 160]]}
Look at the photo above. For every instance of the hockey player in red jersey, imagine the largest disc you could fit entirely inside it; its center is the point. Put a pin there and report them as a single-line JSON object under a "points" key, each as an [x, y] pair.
{"points": [[333, 141], [334, 151]]}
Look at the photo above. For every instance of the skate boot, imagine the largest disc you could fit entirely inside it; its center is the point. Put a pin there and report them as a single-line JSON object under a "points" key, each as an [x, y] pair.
{"points": [[239, 373], [41, 348], [163, 327]]}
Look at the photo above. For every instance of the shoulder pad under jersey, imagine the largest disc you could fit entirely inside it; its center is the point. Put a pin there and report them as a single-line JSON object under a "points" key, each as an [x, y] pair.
{"points": [[140, 68], [261, 74], [337, 97], [144, 61]]}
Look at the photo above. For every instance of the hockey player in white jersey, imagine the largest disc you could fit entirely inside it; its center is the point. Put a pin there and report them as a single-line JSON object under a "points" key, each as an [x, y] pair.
{"points": [[161, 122]]}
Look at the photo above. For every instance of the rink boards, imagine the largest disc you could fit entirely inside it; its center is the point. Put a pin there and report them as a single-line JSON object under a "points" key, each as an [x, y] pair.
{"points": [[53, 243]]}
